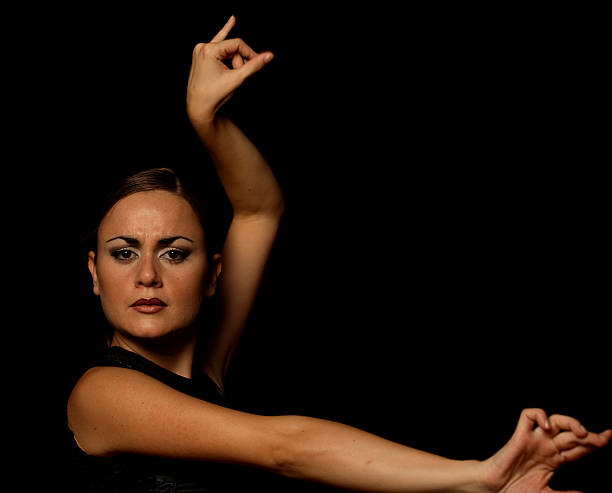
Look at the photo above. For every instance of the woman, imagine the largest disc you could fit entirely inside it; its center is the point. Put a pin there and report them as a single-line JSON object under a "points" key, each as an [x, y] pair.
{"points": [[146, 419]]}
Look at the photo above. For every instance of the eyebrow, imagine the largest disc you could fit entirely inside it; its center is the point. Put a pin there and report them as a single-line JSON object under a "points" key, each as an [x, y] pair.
{"points": [[162, 241]]}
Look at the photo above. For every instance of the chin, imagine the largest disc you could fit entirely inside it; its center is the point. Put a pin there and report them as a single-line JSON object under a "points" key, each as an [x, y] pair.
{"points": [[157, 340], [143, 328], [150, 328], [153, 329], [149, 332]]}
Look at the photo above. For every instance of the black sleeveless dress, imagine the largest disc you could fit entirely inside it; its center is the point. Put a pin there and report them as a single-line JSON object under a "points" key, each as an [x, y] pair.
{"points": [[129, 473]]}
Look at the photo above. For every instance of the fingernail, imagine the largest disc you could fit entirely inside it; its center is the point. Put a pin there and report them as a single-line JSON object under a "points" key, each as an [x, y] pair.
{"points": [[268, 57]]}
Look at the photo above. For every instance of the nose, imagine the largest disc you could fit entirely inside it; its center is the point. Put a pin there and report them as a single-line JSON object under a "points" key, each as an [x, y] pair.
{"points": [[148, 273]]}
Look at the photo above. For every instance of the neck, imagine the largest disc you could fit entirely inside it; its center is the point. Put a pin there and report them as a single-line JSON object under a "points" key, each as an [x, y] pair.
{"points": [[174, 351]]}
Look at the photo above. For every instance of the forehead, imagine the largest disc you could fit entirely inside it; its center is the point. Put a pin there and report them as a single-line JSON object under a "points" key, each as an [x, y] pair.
{"points": [[151, 214]]}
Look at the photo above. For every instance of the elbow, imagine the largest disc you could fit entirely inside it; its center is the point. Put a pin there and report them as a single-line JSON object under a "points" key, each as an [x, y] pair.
{"points": [[269, 204], [271, 211], [292, 450], [274, 206], [274, 201], [279, 208], [284, 453]]}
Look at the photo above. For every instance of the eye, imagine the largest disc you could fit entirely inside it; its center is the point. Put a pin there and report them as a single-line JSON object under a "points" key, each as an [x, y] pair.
{"points": [[174, 255], [124, 255]]}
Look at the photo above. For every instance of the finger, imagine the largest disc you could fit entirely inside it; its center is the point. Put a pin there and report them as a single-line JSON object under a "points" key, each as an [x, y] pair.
{"points": [[228, 48], [567, 423], [567, 440], [531, 417], [237, 61], [254, 65], [222, 34], [577, 452]]}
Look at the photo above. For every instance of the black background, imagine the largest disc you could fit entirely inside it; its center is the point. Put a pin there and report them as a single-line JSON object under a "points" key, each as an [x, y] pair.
{"points": [[441, 264]]}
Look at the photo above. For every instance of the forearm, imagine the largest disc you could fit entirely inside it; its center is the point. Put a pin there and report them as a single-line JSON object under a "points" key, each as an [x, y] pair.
{"points": [[346, 457], [245, 175]]}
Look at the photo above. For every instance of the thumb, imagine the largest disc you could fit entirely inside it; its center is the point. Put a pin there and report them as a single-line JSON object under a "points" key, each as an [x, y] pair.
{"points": [[254, 65]]}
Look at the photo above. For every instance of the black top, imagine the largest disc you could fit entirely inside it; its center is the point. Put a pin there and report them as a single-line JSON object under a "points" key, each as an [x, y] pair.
{"points": [[138, 473]]}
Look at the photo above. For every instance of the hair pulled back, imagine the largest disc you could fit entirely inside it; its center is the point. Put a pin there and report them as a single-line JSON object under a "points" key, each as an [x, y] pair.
{"points": [[151, 180]]}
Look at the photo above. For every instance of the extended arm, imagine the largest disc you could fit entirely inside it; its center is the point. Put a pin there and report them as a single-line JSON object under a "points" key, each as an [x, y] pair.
{"points": [[248, 181], [115, 410]]}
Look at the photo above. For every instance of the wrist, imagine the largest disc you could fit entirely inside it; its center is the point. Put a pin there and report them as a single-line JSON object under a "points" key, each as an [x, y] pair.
{"points": [[200, 112], [478, 473], [205, 126], [485, 477]]}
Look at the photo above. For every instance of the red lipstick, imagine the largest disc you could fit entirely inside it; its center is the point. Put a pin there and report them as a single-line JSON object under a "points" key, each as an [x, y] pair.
{"points": [[148, 305]]}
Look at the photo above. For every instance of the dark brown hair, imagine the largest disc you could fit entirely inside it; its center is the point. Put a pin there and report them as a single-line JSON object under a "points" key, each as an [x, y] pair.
{"points": [[147, 181]]}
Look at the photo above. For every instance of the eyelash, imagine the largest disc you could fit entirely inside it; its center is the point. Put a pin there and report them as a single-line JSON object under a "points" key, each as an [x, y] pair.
{"points": [[118, 255]]}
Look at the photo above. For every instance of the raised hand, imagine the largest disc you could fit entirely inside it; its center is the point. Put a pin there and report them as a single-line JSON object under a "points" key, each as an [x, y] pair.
{"points": [[211, 81], [538, 447]]}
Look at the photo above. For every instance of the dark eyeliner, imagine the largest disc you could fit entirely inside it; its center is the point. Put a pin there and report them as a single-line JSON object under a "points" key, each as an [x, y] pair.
{"points": [[116, 254], [183, 255]]}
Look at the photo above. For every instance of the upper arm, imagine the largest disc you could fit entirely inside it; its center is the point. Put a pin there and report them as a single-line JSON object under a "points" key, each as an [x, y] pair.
{"points": [[116, 410], [246, 250]]}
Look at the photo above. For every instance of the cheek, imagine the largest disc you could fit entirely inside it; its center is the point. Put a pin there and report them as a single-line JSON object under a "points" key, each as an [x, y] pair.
{"points": [[110, 281], [189, 288], [187, 295], [112, 284]]}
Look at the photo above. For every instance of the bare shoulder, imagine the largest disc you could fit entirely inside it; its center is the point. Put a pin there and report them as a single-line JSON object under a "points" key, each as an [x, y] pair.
{"points": [[101, 386], [117, 410], [100, 379], [103, 395]]}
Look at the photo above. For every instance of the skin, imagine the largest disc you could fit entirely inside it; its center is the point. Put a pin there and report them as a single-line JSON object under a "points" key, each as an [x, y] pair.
{"points": [[116, 410], [132, 264]]}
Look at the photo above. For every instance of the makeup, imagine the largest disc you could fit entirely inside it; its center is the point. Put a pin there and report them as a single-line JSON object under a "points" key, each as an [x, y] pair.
{"points": [[148, 305]]}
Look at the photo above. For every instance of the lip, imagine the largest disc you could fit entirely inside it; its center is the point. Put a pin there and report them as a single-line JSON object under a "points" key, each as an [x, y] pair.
{"points": [[148, 305]]}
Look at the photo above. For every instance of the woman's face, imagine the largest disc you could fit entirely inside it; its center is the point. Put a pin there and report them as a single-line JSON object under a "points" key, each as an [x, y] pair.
{"points": [[151, 269]]}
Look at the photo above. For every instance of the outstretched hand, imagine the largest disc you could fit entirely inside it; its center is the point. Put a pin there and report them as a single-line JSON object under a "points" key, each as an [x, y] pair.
{"points": [[211, 81], [539, 446]]}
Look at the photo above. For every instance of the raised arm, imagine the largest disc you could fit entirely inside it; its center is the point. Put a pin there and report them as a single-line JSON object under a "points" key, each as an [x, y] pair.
{"points": [[116, 410], [250, 185]]}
